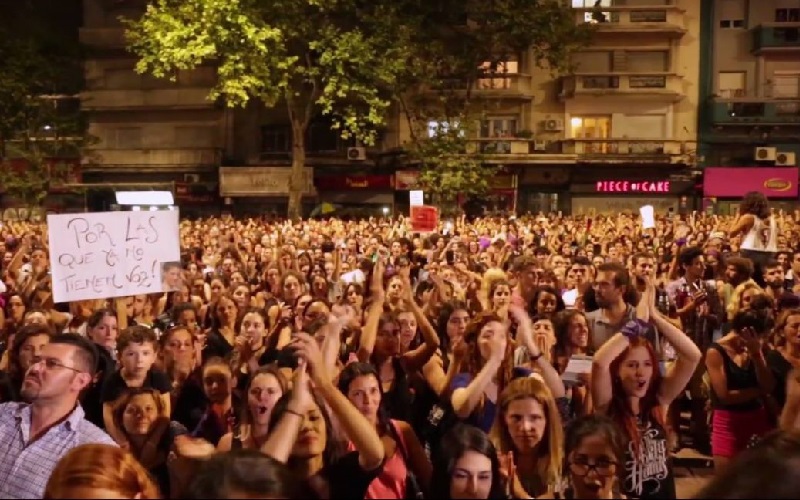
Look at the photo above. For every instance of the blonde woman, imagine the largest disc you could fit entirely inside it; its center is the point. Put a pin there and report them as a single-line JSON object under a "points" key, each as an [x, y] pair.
{"points": [[527, 433], [490, 277], [742, 297]]}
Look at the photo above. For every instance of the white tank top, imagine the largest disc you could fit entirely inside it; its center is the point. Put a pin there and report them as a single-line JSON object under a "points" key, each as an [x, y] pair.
{"points": [[763, 236]]}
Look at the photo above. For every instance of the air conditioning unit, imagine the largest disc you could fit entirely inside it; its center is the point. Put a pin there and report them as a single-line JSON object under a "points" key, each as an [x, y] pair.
{"points": [[785, 159], [765, 154], [191, 178], [554, 125], [357, 153], [540, 146]]}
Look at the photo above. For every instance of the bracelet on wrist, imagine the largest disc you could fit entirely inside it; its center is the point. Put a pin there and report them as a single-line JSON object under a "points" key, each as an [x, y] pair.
{"points": [[536, 357], [634, 328]]}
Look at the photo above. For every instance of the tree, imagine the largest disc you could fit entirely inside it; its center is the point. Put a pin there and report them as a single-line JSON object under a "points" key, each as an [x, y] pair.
{"points": [[456, 44], [40, 74], [336, 57]]}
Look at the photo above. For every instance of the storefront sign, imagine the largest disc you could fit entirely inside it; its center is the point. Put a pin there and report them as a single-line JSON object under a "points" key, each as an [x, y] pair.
{"points": [[195, 194], [424, 219], [406, 180], [632, 187], [354, 182], [261, 181], [731, 182]]}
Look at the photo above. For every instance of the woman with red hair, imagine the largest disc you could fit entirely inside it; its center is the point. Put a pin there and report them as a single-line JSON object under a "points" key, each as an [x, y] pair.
{"points": [[627, 385], [100, 471]]}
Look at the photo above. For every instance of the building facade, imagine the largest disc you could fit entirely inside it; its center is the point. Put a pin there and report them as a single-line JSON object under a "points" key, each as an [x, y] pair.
{"points": [[618, 131], [150, 132], [750, 100]]}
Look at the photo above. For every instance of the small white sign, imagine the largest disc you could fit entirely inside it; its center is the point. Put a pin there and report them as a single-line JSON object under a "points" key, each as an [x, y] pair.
{"points": [[416, 198], [648, 218], [577, 365], [113, 254]]}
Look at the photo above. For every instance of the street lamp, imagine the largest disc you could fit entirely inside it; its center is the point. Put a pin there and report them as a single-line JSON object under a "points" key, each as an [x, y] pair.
{"points": [[385, 211]]}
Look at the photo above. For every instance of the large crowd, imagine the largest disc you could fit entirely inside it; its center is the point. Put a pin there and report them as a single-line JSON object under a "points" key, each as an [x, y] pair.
{"points": [[540, 356]]}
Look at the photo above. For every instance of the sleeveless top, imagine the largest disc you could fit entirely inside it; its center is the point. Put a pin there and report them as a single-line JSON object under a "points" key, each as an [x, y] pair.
{"points": [[737, 378], [762, 237], [391, 482], [648, 472]]}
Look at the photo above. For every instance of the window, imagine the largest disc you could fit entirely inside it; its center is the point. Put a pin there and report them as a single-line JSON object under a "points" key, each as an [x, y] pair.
{"points": [[322, 138], [498, 69], [786, 85], [732, 14], [590, 127], [732, 84], [499, 127], [788, 15], [647, 61], [275, 139]]}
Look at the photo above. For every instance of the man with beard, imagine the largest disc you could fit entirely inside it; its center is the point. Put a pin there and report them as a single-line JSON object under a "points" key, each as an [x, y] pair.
{"points": [[612, 285], [35, 435], [775, 282]]}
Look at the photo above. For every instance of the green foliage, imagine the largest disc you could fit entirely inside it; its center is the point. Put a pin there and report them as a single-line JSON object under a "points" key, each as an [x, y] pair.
{"points": [[40, 69], [455, 44], [333, 57]]}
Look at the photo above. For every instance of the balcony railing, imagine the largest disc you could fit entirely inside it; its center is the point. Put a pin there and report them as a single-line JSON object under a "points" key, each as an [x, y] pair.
{"points": [[755, 111], [501, 146], [501, 85], [622, 147], [646, 84], [159, 157], [174, 98], [634, 19], [776, 37]]}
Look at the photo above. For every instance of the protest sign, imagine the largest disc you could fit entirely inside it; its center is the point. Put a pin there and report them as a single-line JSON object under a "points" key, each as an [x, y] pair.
{"points": [[112, 254], [424, 218]]}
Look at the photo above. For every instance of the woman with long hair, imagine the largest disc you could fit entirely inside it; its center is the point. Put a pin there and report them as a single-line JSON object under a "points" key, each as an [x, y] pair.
{"points": [[467, 467], [489, 365], [264, 388], [760, 230], [100, 471], [302, 435], [740, 379], [594, 449], [527, 433], [627, 385], [405, 456]]}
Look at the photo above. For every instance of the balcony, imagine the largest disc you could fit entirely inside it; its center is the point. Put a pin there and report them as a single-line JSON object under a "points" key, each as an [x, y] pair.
{"points": [[517, 150], [624, 150], [514, 86], [666, 19], [755, 111], [102, 38], [665, 86], [172, 98], [776, 38], [158, 158]]}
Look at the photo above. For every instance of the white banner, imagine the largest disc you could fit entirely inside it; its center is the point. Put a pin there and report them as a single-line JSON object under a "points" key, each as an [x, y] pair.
{"points": [[113, 254]]}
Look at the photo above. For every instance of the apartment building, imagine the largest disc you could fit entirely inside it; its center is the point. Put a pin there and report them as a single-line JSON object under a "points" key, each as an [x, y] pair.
{"points": [[150, 132], [750, 97]]}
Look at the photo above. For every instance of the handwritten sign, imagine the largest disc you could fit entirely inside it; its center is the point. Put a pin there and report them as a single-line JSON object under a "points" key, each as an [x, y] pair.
{"points": [[424, 218], [111, 254]]}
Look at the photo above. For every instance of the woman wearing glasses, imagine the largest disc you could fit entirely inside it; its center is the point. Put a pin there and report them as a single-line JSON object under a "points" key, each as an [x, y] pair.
{"points": [[594, 450]]}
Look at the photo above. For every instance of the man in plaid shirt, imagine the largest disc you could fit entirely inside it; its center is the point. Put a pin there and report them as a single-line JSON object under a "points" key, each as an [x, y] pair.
{"points": [[35, 435]]}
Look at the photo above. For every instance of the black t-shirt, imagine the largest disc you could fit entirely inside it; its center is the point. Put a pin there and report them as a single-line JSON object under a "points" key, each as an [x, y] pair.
{"points": [[780, 369], [115, 385], [91, 401], [648, 473], [345, 477], [191, 402], [216, 346]]}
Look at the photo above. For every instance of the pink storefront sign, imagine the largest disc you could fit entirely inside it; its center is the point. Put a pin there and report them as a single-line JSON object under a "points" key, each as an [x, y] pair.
{"points": [[733, 182]]}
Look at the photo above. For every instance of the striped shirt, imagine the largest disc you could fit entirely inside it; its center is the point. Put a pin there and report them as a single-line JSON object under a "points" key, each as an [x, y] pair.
{"points": [[25, 467]]}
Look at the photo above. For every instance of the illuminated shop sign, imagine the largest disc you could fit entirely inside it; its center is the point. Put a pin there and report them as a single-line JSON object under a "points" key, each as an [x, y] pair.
{"points": [[632, 187]]}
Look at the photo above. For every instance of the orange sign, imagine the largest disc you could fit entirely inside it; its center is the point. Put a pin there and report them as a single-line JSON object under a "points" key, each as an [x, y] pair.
{"points": [[424, 219], [777, 184]]}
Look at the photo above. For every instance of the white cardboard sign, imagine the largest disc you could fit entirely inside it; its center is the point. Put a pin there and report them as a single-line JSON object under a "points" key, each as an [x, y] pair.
{"points": [[113, 254]]}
